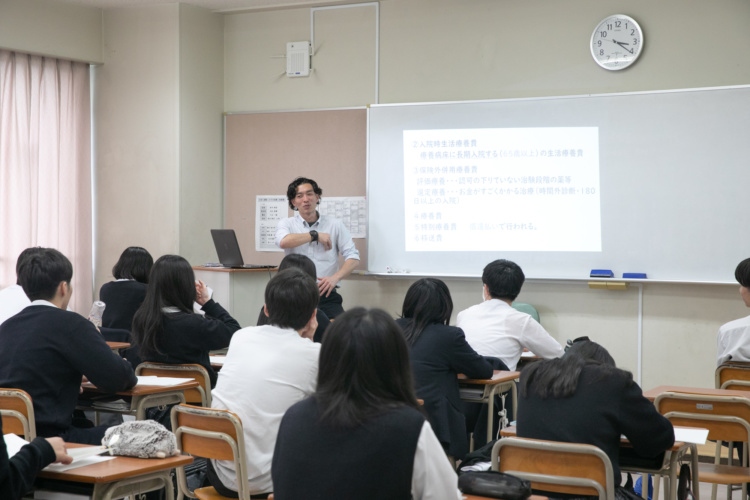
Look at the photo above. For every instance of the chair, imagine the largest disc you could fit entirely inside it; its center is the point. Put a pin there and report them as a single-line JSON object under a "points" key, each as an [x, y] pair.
{"points": [[526, 308], [210, 433], [17, 413], [733, 375], [579, 469], [727, 418], [198, 396]]}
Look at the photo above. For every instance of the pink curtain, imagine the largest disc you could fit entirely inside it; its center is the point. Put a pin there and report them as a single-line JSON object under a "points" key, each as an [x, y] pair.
{"points": [[45, 165]]}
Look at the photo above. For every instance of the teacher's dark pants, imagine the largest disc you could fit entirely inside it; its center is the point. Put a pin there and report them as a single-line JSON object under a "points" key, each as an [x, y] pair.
{"points": [[331, 305]]}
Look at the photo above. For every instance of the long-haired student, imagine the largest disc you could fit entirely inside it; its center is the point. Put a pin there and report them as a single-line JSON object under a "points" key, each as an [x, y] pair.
{"points": [[165, 328], [362, 434]]}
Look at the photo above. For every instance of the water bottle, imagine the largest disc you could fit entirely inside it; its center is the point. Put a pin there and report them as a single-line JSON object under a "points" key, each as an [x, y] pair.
{"points": [[95, 316]]}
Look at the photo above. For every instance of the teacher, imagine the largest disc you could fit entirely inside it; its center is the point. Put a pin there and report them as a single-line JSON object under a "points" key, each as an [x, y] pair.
{"points": [[319, 237]]}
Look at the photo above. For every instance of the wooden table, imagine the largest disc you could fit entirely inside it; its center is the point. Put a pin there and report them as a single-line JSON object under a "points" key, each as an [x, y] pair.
{"points": [[121, 476], [143, 397], [501, 381], [116, 346], [653, 393]]}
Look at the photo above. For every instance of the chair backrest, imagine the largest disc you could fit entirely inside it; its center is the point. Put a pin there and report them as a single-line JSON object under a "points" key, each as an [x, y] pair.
{"points": [[733, 375], [199, 396], [210, 433], [17, 413], [727, 418], [579, 469], [526, 308]]}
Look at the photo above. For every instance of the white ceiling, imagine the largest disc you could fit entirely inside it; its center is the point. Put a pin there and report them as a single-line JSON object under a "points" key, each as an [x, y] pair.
{"points": [[215, 5]]}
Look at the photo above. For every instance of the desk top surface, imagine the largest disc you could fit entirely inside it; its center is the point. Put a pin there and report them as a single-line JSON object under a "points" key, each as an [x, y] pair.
{"points": [[118, 345], [234, 270], [143, 390], [653, 393], [498, 377], [114, 470]]}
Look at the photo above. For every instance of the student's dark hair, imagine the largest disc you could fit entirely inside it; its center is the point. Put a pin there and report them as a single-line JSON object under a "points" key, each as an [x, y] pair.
{"points": [[291, 298], [170, 284], [558, 378], [40, 272], [134, 264], [742, 273], [363, 369], [427, 302], [291, 191], [298, 261], [22, 256], [503, 278]]}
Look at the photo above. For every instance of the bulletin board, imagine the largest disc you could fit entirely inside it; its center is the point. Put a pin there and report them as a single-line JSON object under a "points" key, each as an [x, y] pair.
{"points": [[264, 152]]}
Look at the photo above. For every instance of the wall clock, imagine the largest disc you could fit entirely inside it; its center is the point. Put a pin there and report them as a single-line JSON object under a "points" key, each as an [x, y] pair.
{"points": [[617, 42]]}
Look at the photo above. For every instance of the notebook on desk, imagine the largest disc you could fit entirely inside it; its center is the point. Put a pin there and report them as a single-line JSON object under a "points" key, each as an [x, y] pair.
{"points": [[228, 250]]}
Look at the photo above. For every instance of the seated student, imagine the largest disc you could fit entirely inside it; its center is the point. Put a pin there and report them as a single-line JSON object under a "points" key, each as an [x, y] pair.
{"points": [[584, 398], [494, 328], [46, 350], [13, 298], [267, 369], [362, 434], [733, 339], [165, 329], [124, 296], [438, 353], [303, 262], [17, 473]]}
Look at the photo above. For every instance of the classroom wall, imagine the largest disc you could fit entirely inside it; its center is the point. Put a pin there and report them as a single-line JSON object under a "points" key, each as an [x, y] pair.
{"points": [[442, 50], [51, 28], [159, 142]]}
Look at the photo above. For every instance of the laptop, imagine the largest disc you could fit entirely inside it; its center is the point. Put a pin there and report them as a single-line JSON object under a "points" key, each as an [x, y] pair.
{"points": [[228, 250]]}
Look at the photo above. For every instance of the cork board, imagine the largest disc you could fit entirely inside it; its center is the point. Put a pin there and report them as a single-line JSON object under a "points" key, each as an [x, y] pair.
{"points": [[264, 152]]}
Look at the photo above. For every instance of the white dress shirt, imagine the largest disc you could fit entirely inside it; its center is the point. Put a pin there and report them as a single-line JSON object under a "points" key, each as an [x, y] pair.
{"points": [[494, 328], [12, 301], [326, 261], [432, 478], [733, 341], [267, 370]]}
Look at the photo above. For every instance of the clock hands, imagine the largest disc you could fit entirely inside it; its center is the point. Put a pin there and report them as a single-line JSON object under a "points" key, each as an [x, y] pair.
{"points": [[623, 45]]}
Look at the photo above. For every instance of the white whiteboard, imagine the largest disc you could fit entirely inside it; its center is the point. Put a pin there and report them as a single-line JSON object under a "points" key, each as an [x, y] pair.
{"points": [[674, 182]]}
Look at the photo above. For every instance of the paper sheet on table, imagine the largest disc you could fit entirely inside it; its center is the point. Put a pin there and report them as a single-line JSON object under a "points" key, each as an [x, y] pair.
{"points": [[690, 435], [14, 443], [527, 354], [161, 381], [79, 462], [217, 360]]}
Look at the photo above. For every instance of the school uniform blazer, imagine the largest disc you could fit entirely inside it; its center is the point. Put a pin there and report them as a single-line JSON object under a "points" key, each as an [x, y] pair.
{"points": [[437, 357]]}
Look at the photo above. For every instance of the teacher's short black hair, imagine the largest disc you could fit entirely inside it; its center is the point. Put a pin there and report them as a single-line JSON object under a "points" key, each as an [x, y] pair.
{"points": [[291, 191], [291, 298], [42, 272], [742, 273], [503, 278]]}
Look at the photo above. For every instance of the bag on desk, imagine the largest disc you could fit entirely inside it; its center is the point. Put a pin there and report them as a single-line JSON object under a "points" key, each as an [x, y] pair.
{"points": [[494, 484], [142, 439]]}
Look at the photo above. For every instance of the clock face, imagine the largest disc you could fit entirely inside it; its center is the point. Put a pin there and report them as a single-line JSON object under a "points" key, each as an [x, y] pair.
{"points": [[616, 42]]}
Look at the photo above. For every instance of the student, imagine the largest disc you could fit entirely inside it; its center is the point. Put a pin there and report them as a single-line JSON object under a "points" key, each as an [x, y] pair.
{"points": [[302, 262], [494, 328], [17, 473], [320, 237], [46, 350], [584, 398], [267, 369], [13, 298], [362, 434], [166, 330], [125, 295], [438, 353], [733, 339]]}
